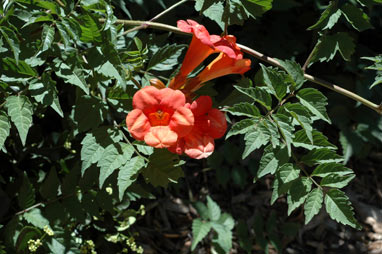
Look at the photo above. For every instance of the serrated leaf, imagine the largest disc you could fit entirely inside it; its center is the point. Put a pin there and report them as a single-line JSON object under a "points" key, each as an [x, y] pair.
{"points": [[328, 45], [336, 181], [243, 109], [127, 172], [12, 40], [35, 218], [199, 230], [241, 127], [258, 94], [315, 101], [275, 81], [109, 70], [326, 169], [11, 68], [224, 239], [339, 208], [45, 92], [89, 111], [256, 8], [328, 18], [211, 9], [295, 72], [302, 116], [255, 139], [47, 37], [356, 17], [234, 13], [26, 234], [319, 140], [313, 204], [286, 128], [163, 167], [202, 209], [63, 33], [26, 196], [319, 156], [213, 209], [20, 110], [298, 193], [288, 172], [271, 160], [90, 28], [113, 157], [5, 128], [74, 76], [165, 58]]}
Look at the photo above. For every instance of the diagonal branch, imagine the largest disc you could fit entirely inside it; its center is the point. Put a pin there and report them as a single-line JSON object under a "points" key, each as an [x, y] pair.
{"points": [[262, 57]]}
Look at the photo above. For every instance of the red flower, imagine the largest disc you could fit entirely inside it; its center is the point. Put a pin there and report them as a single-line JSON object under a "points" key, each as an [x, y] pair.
{"points": [[229, 61], [159, 117], [209, 124]]}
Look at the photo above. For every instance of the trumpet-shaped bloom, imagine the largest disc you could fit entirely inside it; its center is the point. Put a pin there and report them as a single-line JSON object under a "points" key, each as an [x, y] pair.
{"points": [[159, 117], [229, 61], [209, 124]]}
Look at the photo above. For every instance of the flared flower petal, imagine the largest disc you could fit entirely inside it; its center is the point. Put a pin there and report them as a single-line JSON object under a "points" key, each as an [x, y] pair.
{"points": [[178, 148], [199, 146], [201, 105], [161, 137], [182, 121], [147, 99], [138, 124], [171, 100]]}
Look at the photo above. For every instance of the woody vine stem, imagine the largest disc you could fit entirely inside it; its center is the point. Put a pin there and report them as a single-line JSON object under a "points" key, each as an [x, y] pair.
{"points": [[155, 25]]}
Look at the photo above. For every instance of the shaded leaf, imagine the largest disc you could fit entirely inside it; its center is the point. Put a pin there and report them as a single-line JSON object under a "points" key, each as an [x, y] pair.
{"points": [[326, 169], [259, 94], [241, 127], [295, 72], [12, 40], [165, 58], [328, 18], [319, 140], [315, 101], [298, 193], [213, 209], [336, 181], [243, 109], [126, 173], [5, 128], [319, 156], [275, 81], [356, 17], [199, 230]]}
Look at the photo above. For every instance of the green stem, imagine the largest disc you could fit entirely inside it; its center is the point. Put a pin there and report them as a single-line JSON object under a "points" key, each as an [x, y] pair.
{"points": [[135, 149], [262, 57]]}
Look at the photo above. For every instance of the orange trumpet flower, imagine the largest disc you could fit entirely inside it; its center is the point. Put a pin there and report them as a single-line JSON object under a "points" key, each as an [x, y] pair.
{"points": [[159, 117]]}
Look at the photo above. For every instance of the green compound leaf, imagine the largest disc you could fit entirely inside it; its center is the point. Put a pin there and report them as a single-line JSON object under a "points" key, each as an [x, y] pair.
{"points": [[275, 81], [356, 17], [242, 127], [295, 72], [326, 169], [328, 18], [74, 76], [20, 109], [313, 204], [47, 37], [259, 94], [328, 45], [165, 58], [336, 181], [12, 40], [319, 156], [211, 9], [256, 8], [255, 139], [5, 128], [63, 33], [285, 177], [163, 168], [298, 193], [214, 211], [224, 239], [319, 140], [244, 109], [36, 218], [199, 230], [45, 92], [90, 28], [288, 172], [113, 157], [126, 173], [284, 123], [271, 160], [315, 101], [339, 208]]}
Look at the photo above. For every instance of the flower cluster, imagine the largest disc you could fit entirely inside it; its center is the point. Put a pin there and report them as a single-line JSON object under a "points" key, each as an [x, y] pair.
{"points": [[166, 117]]}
